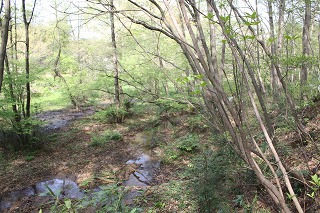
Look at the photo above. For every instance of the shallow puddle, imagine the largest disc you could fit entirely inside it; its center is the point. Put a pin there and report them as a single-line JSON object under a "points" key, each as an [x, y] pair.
{"points": [[145, 173], [64, 188], [60, 118]]}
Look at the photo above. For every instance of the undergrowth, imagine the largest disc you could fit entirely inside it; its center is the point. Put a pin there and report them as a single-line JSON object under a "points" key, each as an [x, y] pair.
{"points": [[99, 140]]}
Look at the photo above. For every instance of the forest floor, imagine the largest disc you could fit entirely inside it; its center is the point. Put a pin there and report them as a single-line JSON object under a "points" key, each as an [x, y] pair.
{"points": [[69, 152]]}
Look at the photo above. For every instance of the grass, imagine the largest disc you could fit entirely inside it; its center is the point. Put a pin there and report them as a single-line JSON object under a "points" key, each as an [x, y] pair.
{"points": [[106, 137], [51, 101]]}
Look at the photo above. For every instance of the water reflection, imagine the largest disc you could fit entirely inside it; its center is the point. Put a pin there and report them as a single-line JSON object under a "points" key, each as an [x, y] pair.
{"points": [[64, 188]]}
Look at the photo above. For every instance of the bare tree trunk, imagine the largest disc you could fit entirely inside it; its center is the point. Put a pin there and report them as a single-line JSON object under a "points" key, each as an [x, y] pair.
{"points": [[115, 56], [58, 74], [305, 49], [282, 7], [17, 117], [273, 75], [165, 83], [213, 48], [263, 89], [27, 53], [215, 96], [13, 96], [4, 39]]}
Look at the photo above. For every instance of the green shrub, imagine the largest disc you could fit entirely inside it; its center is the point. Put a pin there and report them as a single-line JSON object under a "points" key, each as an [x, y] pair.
{"points": [[197, 122], [188, 143], [111, 114], [170, 105], [170, 154], [103, 139], [217, 176]]}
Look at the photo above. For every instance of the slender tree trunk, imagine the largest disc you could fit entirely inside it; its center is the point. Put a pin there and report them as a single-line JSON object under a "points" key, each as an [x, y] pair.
{"points": [[213, 48], [282, 7], [4, 39], [27, 59], [27, 54], [58, 74], [274, 83], [319, 46], [305, 49], [115, 56], [263, 89], [165, 83]]}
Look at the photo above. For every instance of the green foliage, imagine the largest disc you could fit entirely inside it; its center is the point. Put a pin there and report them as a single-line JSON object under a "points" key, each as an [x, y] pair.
{"points": [[171, 105], [175, 191], [197, 122], [170, 154], [52, 100], [215, 176], [315, 186], [111, 114], [247, 207], [30, 156], [105, 138], [183, 145], [188, 143], [109, 198], [60, 205]]}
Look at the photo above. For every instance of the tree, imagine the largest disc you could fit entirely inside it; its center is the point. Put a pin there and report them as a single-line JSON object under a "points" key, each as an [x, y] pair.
{"points": [[233, 115], [115, 56], [305, 48], [4, 38], [27, 21]]}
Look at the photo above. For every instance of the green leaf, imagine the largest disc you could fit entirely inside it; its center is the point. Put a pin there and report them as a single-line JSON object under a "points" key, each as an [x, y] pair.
{"points": [[68, 203], [296, 37], [251, 16], [225, 18], [209, 16], [133, 210], [196, 92], [312, 195], [287, 37], [203, 84], [315, 180], [40, 211], [290, 196], [248, 37], [270, 40], [255, 22]]}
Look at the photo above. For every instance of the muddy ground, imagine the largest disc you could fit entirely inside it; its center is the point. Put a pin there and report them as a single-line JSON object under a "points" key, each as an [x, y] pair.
{"points": [[67, 153]]}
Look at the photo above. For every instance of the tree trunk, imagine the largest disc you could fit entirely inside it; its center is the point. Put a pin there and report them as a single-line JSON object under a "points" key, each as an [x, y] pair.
{"points": [[305, 49], [273, 75], [263, 89], [4, 39], [282, 7], [213, 49], [115, 56], [27, 53], [58, 74]]}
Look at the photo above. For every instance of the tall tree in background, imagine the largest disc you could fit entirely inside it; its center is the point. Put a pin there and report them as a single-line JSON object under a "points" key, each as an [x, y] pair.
{"points": [[27, 21], [60, 39], [305, 49], [274, 83], [4, 38], [114, 56]]}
